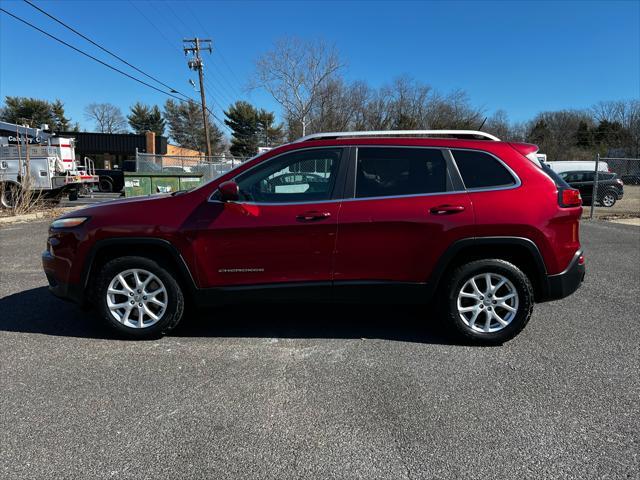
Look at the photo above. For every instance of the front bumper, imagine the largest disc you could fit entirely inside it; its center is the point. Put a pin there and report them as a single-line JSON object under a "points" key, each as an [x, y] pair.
{"points": [[565, 283], [55, 271]]}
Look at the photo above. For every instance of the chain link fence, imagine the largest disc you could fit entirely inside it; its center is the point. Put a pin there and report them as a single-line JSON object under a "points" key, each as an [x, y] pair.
{"points": [[210, 167], [612, 188]]}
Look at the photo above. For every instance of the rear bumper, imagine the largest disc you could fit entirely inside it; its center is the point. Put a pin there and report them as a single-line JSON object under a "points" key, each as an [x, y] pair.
{"points": [[565, 283]]}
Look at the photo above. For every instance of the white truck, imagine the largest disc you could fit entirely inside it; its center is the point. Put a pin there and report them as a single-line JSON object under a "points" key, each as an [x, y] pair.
{"points": [[44, 163]]}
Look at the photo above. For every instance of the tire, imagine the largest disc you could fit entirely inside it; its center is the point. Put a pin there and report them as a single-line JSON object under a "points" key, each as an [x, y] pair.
{"points": [[608, 199], [459, 288], [105, 185], [73, 195], [8, 195], [130, 327]]}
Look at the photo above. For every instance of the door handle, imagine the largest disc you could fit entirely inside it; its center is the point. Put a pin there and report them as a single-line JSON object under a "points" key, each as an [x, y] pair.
{"points": [[446, 209], [312, 216]]}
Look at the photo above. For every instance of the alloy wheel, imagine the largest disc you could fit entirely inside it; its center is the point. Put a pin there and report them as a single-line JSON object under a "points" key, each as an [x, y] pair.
{"points": [[608, 200], [137, 298], [487, 302]]}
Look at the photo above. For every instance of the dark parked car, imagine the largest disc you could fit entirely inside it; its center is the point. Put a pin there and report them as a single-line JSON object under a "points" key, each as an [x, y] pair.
{"points": [[631, 178], [112, 180], [366, 216], [610, 187]]}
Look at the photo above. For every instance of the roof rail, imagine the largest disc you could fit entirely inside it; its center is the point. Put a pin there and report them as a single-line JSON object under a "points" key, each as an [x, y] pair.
{"points": [[400, 133]]}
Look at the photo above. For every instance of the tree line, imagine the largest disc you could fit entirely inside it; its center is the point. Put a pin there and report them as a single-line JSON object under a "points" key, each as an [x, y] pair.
{"points": [[305, 79], [251, 127]]}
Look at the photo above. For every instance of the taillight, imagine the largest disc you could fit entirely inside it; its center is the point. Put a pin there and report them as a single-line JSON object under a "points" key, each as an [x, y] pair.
{"points": [[569, 197]]}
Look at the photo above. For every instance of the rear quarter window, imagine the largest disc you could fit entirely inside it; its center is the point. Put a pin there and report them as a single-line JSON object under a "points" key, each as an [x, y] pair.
{"points": [[481, 170]]}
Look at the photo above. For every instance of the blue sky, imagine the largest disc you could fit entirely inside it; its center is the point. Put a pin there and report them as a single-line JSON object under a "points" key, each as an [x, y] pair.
{"points": [[523, 57]]}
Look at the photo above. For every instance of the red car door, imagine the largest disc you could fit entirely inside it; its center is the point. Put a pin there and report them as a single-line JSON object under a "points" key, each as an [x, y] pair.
{"points": [[407, 209], [283, 228]]}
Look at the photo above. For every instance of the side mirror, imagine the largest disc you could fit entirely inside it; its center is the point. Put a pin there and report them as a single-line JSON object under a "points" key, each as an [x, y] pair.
{"points": [[229, 191]]}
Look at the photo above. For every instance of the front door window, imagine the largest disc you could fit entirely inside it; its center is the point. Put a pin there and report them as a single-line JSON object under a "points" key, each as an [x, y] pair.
{"points": [[305, 176]]}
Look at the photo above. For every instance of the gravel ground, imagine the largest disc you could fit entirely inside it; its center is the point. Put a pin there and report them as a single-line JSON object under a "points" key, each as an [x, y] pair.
{"points": [[308, 391]]}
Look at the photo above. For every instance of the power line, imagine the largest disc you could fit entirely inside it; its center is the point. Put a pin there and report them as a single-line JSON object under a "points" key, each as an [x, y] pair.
{"points": [[215, 89], [220, 88], [173, 90], [89, 55], [155, 26], [221, 82], [175, 15], [188, 7], [111, 67]]}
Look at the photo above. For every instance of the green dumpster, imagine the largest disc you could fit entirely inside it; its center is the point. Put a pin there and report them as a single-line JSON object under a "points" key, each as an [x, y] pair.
{"points": [[146, 183]]}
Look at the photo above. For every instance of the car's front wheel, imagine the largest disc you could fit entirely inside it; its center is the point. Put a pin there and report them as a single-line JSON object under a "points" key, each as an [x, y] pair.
{"points": [[138, 297], [489, 301]]}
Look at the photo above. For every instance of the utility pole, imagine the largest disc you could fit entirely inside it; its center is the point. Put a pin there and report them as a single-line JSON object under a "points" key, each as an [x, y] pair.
{"points": [[197, 64]]}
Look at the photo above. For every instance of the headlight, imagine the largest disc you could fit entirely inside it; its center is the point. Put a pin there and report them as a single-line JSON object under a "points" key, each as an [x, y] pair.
{"points": [[69, 222]]}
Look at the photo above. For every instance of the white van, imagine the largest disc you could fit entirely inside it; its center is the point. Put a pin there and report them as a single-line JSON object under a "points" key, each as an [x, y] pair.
{"points": [[577, 165]]}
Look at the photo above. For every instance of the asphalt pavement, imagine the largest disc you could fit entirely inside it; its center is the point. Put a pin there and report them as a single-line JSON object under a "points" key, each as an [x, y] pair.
{"points": [[313, 391]]}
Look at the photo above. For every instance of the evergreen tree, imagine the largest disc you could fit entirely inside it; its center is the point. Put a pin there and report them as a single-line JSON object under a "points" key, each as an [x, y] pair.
{"points": [[269, 135], [33, 111], [539, 133], [146, 119], [584, 135], [61, 122], [242, 118], [184, 121]]}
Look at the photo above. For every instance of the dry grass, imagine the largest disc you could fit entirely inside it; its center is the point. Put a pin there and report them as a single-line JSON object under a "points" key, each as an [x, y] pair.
{"points": [[26, 198]]}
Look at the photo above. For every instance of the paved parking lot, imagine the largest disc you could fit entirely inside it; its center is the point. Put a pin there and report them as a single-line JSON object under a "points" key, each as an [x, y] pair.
{"points": [[309, 391]]}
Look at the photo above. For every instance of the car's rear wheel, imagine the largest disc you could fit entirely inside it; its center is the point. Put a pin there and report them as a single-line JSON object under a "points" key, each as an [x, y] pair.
{"points": [[9, 194], [609, 199], [105, 185], [489, 301], [138, 297]]}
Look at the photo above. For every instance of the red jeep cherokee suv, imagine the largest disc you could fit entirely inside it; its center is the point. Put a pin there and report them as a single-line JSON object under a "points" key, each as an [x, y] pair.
{"points": [[365, 216]]}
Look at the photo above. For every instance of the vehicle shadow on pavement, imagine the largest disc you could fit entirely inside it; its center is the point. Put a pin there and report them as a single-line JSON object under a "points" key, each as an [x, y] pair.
{"points": [[404, 323], [37, 311]]}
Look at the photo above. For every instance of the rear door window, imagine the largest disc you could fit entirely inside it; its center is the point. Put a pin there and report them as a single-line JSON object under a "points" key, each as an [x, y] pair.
{"points": [[481, 170], [392, 171]]}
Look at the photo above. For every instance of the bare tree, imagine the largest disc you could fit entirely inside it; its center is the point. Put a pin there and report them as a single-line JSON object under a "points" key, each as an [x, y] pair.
{"points": [[107, 117], [498, 124], [453, 110], [294, 72], [338, 107], [627, 114]]}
